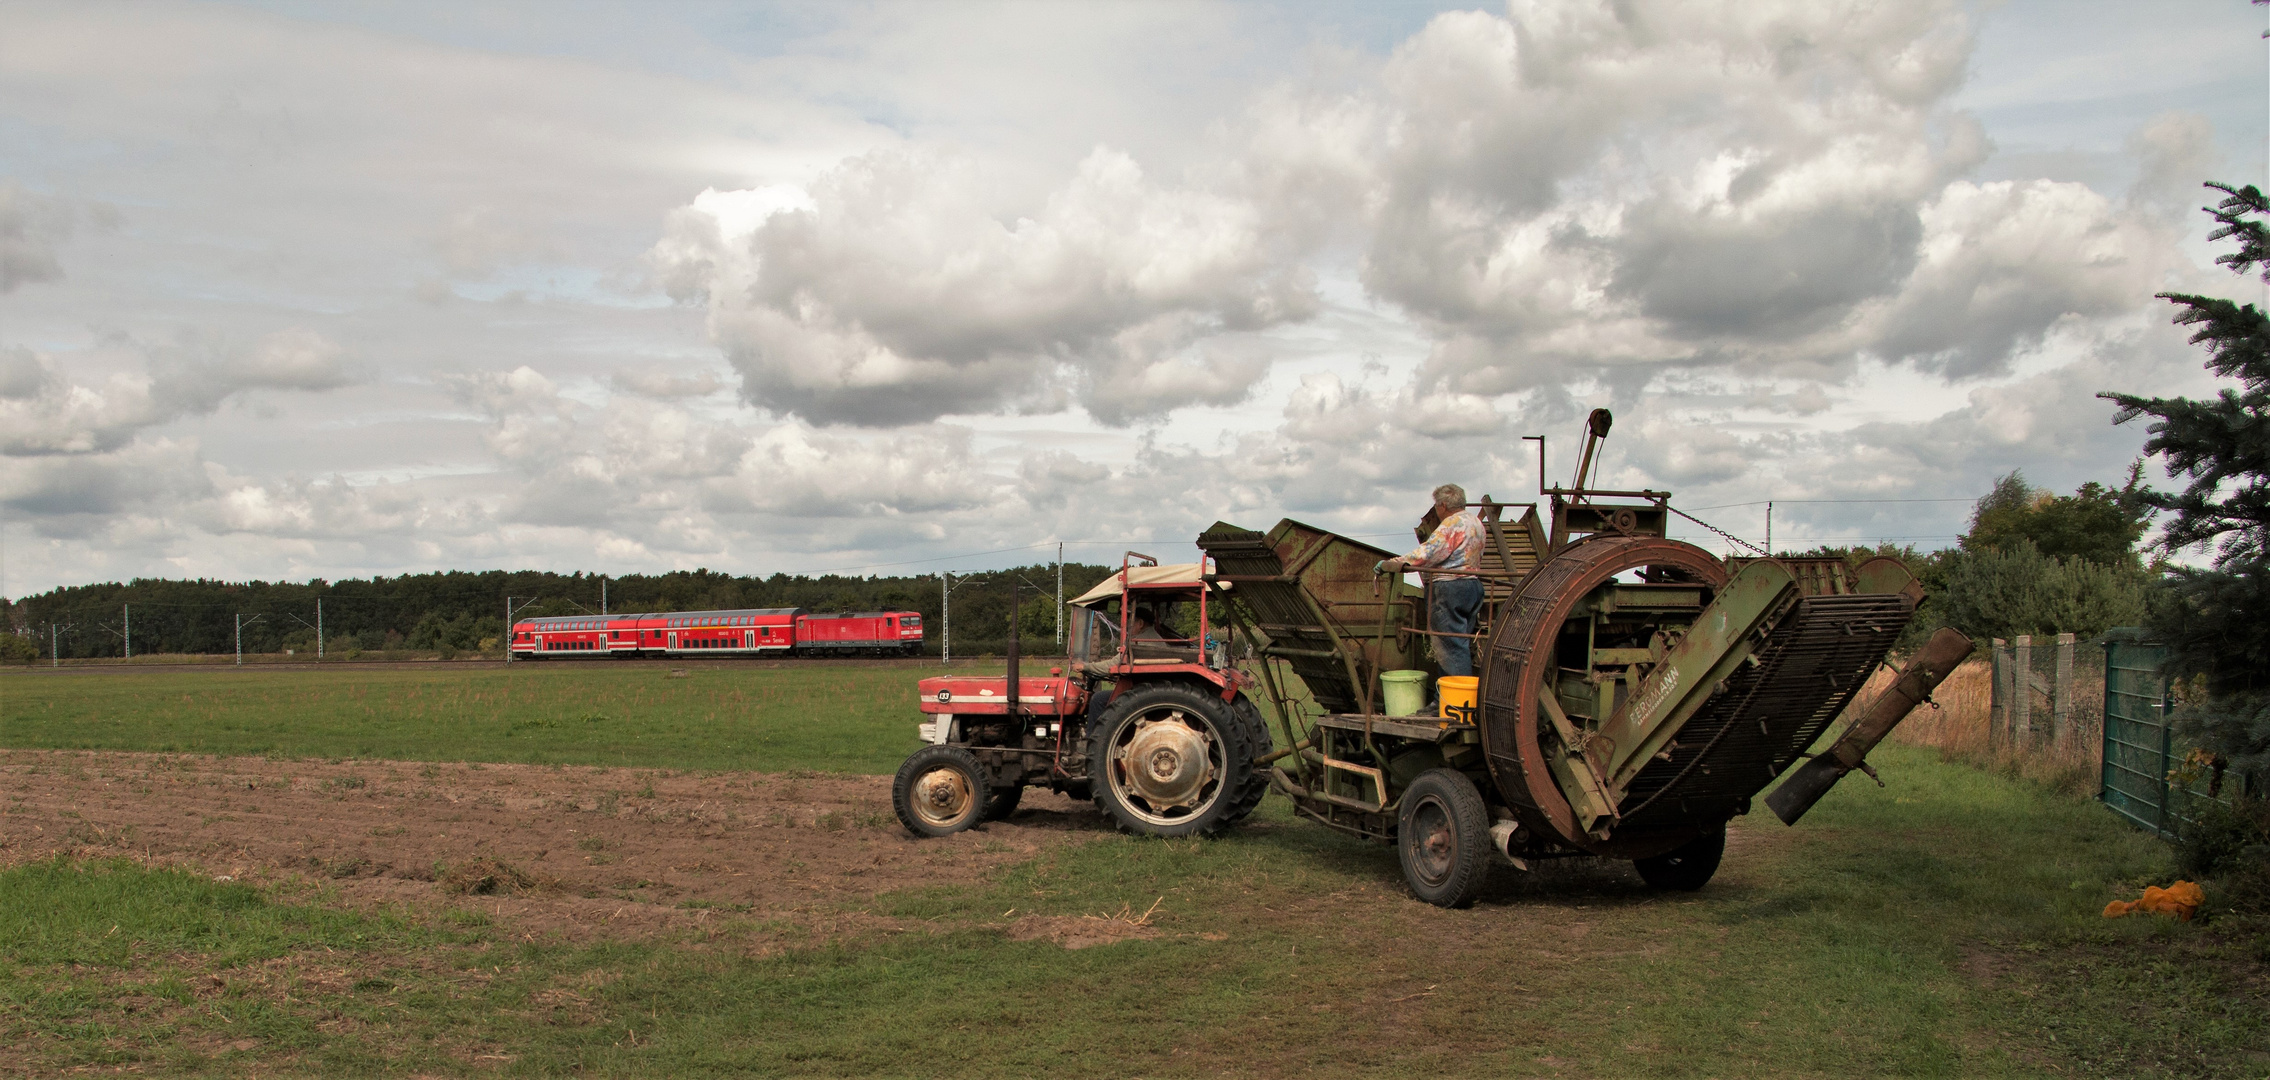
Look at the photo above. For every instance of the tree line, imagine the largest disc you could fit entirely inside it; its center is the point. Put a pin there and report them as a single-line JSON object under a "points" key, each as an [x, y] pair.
{"points": [[462, 612]]}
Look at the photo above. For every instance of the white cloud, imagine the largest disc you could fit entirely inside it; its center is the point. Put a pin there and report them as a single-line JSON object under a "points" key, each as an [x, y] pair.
{"points": [[1157, 269], [41, 412], [2004, 262], [907, 292]]}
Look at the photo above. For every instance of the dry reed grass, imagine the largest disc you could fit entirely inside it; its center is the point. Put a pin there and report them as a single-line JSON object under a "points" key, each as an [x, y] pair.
{"points": [[1959, 723]]}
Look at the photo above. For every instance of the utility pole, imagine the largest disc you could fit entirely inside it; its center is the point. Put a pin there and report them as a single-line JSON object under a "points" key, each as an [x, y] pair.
{"points": [[1060, 592], [129, 635], [602, 597], [946, 589], [240, 637], [1769, 527], [316, 626]]}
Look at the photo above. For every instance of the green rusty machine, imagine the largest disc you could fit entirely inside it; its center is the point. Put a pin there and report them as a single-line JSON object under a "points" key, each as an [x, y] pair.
{"points": [[1636, 692]]}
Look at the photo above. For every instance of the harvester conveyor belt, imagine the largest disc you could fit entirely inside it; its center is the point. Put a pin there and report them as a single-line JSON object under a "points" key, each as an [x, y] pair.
{"points": [[1805, 674]]}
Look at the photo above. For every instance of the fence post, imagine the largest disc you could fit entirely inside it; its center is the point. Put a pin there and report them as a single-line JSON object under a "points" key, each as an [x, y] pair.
{"points": [[2061, 694], [2022, 710], [1998, 707], [2167, 748]]}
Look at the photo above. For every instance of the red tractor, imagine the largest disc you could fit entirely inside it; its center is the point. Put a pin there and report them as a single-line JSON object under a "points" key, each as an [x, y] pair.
{"points": [[1151, 720]]}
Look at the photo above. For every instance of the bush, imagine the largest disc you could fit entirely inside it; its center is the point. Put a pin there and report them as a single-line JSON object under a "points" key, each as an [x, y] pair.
{"points": [[2018, 590], [2230, 842], [18, 649]]}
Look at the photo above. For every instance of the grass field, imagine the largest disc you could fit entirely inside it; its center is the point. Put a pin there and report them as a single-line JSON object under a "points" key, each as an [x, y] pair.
{"points": [[1945, 926], [829, 717]]}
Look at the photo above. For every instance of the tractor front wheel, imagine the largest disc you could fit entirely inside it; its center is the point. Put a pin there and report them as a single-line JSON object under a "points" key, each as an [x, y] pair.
{"points": [[940, 790], [1443, 835]]}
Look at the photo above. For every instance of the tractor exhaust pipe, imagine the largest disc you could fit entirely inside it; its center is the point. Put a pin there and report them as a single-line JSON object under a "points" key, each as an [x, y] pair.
{"points": [[1015, 684], [1923, 674]]}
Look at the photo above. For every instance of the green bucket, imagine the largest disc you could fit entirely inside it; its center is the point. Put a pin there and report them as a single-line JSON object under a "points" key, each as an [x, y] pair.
{"points": [[1405, 691]]}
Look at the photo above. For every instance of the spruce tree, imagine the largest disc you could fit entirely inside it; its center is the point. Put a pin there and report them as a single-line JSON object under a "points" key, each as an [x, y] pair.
{"points": [[2217, 620]]}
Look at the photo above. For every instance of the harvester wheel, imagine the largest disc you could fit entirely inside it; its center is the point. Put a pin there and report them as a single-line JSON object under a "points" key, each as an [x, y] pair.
{"points": [[1443, 835], [1170, 760], [1004, 802], [1686, 867], [940, 790]]}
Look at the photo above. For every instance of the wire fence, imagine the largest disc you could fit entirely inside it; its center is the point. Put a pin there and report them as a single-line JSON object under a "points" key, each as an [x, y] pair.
{"points": [[2090, 718]]}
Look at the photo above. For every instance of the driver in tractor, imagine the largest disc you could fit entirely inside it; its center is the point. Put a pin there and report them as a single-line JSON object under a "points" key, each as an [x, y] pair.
{"points": [[1456, 599], [1145, 624]]}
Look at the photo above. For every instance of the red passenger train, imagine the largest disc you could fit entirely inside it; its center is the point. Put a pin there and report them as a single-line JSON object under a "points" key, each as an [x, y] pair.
{"points": [[739, 632]]}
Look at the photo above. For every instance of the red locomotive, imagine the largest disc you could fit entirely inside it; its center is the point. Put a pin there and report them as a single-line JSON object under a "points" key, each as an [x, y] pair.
{"points": [[739, 632]]}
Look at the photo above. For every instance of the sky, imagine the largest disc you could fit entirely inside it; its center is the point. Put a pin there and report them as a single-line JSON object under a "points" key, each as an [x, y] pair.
{"points": [[295, 290]]}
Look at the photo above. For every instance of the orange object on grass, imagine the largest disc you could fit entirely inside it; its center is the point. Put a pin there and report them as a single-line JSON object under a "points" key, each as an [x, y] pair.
{"points": [[2181, 900]]}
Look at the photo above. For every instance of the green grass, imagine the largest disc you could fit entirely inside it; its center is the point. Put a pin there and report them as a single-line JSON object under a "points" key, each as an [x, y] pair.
{"points": [[1945, 926], [1852, 945], [826, 717]]}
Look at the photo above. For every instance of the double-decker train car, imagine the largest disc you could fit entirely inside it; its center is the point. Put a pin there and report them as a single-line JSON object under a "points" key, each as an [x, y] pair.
{"points": [[737, 632]]}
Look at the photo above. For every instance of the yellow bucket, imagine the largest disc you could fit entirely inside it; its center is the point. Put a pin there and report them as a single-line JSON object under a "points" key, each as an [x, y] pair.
{"points": [[1457, 692]]}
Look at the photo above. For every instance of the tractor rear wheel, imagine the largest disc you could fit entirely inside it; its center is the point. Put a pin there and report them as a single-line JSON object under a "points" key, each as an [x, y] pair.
{"points": [[940, 790], [1169, 759], [1687, 867], [1443, 836], [1243, 712]]}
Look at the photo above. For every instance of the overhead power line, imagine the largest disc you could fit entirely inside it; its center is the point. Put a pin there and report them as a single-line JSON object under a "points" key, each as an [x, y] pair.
{"points": [[1762, 502]]}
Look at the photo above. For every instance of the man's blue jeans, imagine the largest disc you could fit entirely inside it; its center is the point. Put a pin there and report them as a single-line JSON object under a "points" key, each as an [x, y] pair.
{"points": [[1456, 609]]}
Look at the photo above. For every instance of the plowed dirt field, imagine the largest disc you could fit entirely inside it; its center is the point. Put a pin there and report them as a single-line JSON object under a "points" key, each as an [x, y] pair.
{"points": [[570, 851]]}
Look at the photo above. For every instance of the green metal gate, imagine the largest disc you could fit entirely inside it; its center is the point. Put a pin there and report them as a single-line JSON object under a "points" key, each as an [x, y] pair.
{"points": [[2140, 750]]}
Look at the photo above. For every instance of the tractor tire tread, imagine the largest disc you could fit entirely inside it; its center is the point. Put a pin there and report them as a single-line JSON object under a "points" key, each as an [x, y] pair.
{"points": [[1469, 821], [922, 761], [1238, 751]]}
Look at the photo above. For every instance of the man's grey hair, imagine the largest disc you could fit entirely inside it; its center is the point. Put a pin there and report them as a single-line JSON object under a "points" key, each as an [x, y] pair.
{"points": [[1450, 498]]}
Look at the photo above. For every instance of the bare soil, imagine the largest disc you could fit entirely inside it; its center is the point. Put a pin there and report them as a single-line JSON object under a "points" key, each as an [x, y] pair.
{"points": [[570, 851]]}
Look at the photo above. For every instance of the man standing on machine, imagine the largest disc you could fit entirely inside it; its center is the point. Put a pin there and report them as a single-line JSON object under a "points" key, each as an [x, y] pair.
{"points": [[1456, 605]]}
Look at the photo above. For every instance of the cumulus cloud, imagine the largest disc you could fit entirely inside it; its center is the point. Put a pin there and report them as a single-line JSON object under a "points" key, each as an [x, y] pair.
{"points": [[1552, 193], [648, 470], [71, 495], [2002, 263], [41, 412], [903, 292], [1758, 230]]}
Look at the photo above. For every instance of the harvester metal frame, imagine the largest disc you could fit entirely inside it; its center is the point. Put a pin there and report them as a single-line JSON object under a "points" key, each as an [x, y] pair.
{"points": [[1635, 691]]}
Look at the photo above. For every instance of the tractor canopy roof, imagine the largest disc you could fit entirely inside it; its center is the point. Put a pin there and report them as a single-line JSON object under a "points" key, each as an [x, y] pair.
{"points": [[1187, 575]]}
